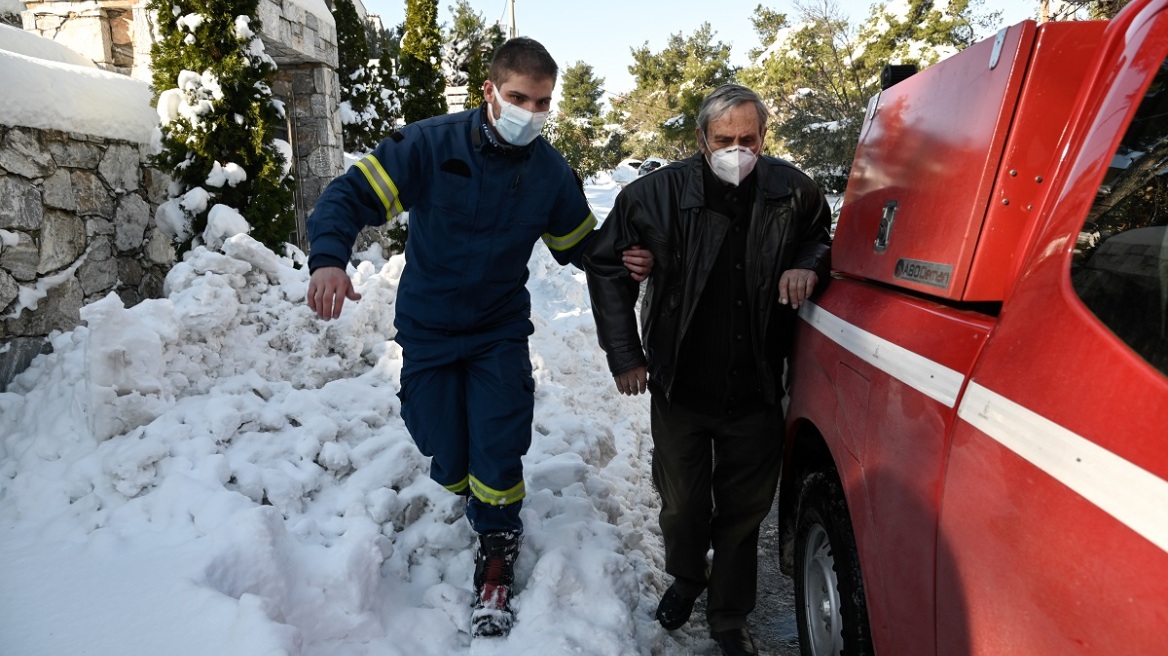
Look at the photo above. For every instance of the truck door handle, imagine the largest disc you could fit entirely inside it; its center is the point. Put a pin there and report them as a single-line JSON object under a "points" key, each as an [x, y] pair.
{"points": [[884, 233]]}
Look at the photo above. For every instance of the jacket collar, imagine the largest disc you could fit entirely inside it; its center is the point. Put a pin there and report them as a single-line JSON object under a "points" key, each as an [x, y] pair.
{"points": [[694, 193], [484, 140]]}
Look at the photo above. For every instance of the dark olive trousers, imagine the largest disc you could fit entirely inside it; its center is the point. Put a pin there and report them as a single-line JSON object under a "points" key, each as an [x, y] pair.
{"points": [[717, 478]]}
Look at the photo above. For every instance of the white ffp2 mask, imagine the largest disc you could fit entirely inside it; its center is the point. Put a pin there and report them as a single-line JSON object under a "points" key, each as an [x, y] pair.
{"points": [[731, 164]]}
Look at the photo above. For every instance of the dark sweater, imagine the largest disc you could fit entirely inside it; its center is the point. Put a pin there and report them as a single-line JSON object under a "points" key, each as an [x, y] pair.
{"points": [[716, 372]]}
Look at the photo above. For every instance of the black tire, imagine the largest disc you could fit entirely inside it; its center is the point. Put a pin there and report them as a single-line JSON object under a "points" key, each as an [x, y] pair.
{"points": [[829, 593]]}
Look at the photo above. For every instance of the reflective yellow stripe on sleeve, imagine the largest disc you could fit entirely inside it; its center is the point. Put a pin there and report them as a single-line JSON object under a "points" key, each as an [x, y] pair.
{"points": [[497, 497], [382, 184], [572, 238]]}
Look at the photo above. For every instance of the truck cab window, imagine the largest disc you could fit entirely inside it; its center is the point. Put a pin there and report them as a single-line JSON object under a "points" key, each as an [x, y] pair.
{"points": [[1120, 265]]}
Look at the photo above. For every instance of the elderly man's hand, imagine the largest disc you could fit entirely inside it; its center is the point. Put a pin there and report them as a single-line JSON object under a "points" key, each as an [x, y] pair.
{"points": [[327, 290], [639, 262], [632, 382], [796, 285]]}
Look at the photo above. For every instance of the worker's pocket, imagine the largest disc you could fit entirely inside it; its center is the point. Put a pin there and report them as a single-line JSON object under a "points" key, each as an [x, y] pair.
{"points": [[456, 195], [533, 208]]}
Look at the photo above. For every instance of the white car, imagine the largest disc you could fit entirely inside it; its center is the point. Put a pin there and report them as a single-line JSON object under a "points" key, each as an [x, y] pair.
{"points": [[626, 171]]}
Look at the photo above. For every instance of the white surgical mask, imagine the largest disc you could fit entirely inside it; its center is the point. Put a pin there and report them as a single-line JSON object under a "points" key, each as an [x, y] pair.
{"points": [[516, 125], [731, 164]]}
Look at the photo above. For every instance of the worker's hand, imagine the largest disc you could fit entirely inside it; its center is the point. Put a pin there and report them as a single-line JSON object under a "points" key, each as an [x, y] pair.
{"points": [[639, 262], [327, 290], [796, 285], [632, 382]]}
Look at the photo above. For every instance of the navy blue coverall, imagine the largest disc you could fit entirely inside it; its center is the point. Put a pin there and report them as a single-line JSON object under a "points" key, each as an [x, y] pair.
{"points": [[463, 311]]}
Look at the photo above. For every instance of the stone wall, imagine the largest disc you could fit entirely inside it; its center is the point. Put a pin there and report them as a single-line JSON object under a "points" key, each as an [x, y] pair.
{"points": [[76, 223]]}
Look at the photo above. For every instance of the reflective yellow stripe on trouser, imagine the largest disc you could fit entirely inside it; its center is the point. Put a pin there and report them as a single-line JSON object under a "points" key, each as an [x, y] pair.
{"points": [[382, 184], [572, 238], [497, 497], [459, 487]]}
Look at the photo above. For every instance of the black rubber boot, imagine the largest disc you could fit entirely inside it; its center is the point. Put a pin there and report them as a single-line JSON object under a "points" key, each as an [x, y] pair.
{"points": [[674, 609], [494, 575]]}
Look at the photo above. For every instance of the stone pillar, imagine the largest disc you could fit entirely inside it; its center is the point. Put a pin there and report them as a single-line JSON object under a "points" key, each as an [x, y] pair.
{"points": [[311, 95], [101, 32], [142, 34]]}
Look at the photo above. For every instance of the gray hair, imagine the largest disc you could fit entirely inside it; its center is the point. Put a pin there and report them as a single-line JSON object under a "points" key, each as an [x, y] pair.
{"points": [[727, 97]]}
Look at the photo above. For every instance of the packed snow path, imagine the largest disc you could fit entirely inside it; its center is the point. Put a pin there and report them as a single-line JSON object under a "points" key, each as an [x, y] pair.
{"points": [[219, 472]]}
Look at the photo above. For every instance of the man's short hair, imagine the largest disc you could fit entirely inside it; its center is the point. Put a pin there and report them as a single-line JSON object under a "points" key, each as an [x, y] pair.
{"points": [[727, 97], [522, 56]]}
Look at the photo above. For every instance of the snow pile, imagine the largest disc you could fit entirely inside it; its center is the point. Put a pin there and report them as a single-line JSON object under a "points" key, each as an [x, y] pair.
{"points": [[53, 88], [220, 472], [18, 41]]}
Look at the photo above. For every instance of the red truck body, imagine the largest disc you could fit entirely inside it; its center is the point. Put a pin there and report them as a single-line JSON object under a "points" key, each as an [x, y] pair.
{"points": [[986, 376]]}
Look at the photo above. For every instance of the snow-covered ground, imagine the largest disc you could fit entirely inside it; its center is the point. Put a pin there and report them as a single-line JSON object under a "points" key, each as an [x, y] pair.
{"points": [[219, 472]]}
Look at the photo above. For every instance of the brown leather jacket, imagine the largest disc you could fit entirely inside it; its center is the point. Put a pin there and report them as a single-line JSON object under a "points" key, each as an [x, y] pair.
{"points": [[665, 212]]}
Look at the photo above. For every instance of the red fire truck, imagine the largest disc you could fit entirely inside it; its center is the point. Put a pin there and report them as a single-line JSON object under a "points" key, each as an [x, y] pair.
{"points": [[977, 436]]}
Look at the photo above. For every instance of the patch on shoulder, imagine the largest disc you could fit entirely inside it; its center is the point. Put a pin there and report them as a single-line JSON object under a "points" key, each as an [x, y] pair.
{"points": [[398, 137]]}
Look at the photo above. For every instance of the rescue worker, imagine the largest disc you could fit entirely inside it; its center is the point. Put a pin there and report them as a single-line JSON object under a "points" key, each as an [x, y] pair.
{"points": [[481, 187], [740, 240]]}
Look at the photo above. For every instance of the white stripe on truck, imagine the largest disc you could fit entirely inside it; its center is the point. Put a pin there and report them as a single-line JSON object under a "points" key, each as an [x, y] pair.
{"points": [[1122, 489], [932, 379]]}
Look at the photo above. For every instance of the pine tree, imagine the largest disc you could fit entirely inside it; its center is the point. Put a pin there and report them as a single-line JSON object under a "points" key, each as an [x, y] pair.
{"points": [[588, 145], [580, 92], [816, 90], [387, 94], [391, 42], [1082, 9], [921, 33], [357, 84], [374, 34], [818, 75], [470, 44], [220, 120], [388, 102], [577, 130], [421, 56], [661, 112], [479, 68]]}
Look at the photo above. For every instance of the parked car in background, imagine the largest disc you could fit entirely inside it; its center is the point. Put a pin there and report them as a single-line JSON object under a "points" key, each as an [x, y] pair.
{"points": [[651, 164], [626, 171], [630, 162]]}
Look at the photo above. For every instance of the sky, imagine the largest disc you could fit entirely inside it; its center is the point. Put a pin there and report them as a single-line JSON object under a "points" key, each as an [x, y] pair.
{"points": [[219, 472], [603, 34]]}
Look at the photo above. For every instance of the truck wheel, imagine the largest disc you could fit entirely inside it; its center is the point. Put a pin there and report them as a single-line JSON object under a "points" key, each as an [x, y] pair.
{"points": [[829, 593]]}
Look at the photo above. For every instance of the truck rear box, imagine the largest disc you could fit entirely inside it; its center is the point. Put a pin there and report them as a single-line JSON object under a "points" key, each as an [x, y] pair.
{"points": [[950, 168]]}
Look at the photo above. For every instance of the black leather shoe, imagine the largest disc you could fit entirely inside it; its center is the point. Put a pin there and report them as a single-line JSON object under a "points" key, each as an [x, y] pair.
{"points": [[674, 609], [735, 642]]}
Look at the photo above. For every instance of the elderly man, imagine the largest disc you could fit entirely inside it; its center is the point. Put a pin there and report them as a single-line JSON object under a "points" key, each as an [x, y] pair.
{"points": [[739, 241]]}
